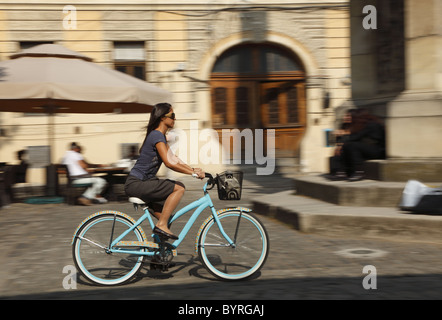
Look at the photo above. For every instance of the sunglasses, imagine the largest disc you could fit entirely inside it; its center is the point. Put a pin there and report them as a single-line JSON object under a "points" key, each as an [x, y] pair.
{"points": [[170, 115]]}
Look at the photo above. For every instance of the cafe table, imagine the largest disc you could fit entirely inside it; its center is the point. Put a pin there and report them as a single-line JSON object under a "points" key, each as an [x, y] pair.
{"points": [[113, 175]]}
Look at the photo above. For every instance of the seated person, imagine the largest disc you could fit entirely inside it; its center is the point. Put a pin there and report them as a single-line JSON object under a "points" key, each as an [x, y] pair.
{"points": [[336, 163], [21, 169], [77, 167], [365, 142]]}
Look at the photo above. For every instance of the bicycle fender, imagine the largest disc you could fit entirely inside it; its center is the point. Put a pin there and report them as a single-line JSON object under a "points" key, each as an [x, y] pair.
{"points": [[242, 209], [118, 213]]}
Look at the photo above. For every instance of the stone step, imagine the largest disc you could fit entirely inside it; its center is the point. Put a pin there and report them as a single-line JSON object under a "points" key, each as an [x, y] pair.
{"points": [[365, 193], [424, 170], [282, 166], [287, 166], [314, 216]]}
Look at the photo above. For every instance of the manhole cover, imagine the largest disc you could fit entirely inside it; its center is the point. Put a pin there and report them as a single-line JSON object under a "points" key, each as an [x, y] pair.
{"points": [[361, 253]]}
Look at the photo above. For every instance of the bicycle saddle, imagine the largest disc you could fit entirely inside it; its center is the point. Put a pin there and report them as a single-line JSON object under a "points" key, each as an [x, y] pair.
{"points": [[136, 200]]}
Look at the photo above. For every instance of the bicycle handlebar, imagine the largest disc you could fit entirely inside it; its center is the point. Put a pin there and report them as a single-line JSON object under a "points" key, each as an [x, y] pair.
{"points": [[210, 182], [207, 175]]}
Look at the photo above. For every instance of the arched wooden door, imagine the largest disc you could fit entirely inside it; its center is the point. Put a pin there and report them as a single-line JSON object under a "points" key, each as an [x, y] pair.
{"points": [[260, 86]]}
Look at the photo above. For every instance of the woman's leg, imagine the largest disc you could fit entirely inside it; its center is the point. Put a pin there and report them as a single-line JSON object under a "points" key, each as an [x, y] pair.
{"points": [[355, 154], [169, 206]]}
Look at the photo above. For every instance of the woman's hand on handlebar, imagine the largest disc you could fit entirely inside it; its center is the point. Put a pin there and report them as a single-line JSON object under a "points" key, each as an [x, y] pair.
{"points": [[198, 173]]}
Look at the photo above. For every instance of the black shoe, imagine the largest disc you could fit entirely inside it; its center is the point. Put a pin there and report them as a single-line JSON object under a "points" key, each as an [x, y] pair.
{"points": [[165, 234], [357, 176], [338, 176]]}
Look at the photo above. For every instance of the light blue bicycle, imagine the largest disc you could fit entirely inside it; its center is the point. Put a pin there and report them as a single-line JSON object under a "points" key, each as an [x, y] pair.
{"points": [[109, 247]]}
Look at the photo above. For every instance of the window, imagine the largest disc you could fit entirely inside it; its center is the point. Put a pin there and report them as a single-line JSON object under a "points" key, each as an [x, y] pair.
{"points": [[235, 60], [130, 58], [129, 150], [292, 105], [39, 156], [273, 59], [272, 105], [220, 99], [242, 106], [256, 60]]}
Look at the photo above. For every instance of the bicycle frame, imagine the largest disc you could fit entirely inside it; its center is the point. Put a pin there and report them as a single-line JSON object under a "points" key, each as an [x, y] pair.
{"points": [[199, 205]]}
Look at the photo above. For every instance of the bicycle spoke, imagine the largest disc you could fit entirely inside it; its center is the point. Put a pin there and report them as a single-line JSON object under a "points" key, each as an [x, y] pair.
{"points": [[91, 241]]}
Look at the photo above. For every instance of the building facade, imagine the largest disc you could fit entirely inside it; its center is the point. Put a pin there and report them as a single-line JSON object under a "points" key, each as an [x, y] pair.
{"points": [[397, 72], [268, 68]]}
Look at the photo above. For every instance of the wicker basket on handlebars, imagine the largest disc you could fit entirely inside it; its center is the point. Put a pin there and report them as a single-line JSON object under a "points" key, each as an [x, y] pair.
{"points": [[229, 185]]}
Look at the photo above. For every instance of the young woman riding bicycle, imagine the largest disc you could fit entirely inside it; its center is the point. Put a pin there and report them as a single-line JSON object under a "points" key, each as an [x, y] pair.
{"points": [[162, 195]]}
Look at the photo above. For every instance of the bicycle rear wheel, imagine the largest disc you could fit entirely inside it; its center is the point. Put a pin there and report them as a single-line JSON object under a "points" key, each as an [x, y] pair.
{"points": [[91, 250], [234, 262]]}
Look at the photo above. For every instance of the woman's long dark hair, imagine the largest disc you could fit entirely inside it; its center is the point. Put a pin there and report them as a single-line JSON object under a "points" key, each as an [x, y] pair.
{"points": [[361, 118], [158, 111]]}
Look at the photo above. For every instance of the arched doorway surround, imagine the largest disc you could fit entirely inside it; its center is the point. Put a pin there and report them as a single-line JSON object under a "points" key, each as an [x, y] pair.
{"points": [[260, 86], [301, 54]]}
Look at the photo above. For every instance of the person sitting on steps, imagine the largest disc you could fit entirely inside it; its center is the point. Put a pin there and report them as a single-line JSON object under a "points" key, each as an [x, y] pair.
{"points": [[365, 142]]}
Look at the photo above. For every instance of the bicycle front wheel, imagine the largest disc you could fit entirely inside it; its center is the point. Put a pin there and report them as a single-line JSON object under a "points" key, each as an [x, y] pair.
{"points": [[242, 260], [93, 258]]}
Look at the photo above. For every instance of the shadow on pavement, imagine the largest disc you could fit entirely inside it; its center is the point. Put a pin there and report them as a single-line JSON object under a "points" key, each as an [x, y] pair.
{"points": [[335, 288]]}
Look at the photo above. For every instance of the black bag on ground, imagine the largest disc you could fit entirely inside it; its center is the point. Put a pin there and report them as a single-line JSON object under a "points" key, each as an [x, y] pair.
{"points": [[420, 198]]}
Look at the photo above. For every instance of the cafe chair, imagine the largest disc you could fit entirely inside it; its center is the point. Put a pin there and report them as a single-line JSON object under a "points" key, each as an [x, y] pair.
{"points": [[73, 190], [21, 185], [14, 183], [6, 183]]}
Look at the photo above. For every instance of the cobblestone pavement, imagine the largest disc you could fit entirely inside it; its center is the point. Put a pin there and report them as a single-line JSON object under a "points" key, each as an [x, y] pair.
{"points": [[35, 247]]}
